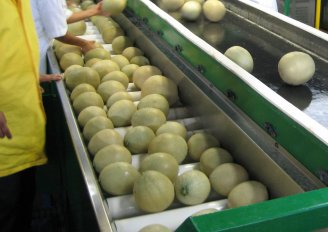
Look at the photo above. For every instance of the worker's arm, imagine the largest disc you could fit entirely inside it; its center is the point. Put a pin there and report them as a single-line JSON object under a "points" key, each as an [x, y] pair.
{"points": [[4, 130], [81, 15], [85, 45]]}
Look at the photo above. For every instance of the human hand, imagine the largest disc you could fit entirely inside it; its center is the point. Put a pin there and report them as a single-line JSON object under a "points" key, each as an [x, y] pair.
{"points": [[4, 130], [100, 11], [88, 45], [50, 77]]}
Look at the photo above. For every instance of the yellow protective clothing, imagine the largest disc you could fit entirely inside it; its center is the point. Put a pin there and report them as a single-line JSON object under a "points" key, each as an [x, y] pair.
{"points": [[20, 98]]}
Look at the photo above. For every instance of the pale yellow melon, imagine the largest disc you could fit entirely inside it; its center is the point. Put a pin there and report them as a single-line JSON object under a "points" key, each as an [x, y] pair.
{"points": [[161, 85], [172, 5], [155, 101], [114, 7], [89, 113], [240, 56], [87, 99], [226, 176], [161, 162], [95, 125], [213, 157], [108, 88], [199, 142], [67, 48], [150, 117], [120, 113], [77, 28], [118, 96], [214, 10], [120, 60], [131, 52], [129, 70], [142, 73], [91, 62], [99, 53], [81, 88], [103, 138], [85, 4], [70, 59], [138, 138], [153, 192], [117, 76], [170, 143], [155, 228], [120, 43], [118, 178], [111, 154], [110, 32], [81, 75], [204, 211], [191, 10], [140, 60], [172, 127], [104, 67]]}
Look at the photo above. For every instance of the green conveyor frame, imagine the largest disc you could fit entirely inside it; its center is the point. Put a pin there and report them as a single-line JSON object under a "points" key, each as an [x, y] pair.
{"points": [[302, 212]]}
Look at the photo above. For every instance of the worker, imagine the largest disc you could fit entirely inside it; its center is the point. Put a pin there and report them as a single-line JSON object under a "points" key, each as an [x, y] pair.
{"points": [[270, 4], [50, 20], [22, 120]]}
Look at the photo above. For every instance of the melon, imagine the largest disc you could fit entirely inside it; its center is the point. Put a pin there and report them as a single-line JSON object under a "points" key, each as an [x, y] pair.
{"points": [[120, 43], [214, 10], [108, 88], [155, 101], [160, 85], [213, 157], [161, 162], [81, 75], [155, 228], [129, 70], [192, 187], [246, 193], [191, 10], [226, 176], [204, 211], [151, 117], [140, 60], [67, 48], [142, 73], [118, 96], [70, 59], [113, 7], [85, 4], [88, 113], [87, 99], [131, 52], [174, 128], [77, 28], [199, 142], [120, 113], [104, 67], [110, 32], [103, 138], [296, 68], [91, 62], [81, 88], [95, 125], [99, 53], [170, 143], [172, 5], [117, 76], [138, 138], [120, 60], [111, 154], [118, 178], [153, 192], [240, 56]]}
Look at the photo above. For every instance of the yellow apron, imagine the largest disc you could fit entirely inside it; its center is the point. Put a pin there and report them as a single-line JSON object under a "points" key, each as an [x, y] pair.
{"points": [[20, 98]]}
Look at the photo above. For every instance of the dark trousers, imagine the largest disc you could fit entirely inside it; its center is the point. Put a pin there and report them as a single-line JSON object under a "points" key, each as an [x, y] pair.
{"points": [[16, 201]]}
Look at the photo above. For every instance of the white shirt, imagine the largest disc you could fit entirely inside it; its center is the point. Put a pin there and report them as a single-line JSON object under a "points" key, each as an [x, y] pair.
{"points": [[50, 22], [272, 4]]}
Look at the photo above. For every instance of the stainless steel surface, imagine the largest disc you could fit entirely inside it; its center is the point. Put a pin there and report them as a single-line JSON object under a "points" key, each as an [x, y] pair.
{"points": [[101, 210]]}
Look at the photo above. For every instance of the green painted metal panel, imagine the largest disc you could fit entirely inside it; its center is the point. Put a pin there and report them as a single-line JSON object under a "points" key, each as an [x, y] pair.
{"points": [[305, 147], [302, 212]]}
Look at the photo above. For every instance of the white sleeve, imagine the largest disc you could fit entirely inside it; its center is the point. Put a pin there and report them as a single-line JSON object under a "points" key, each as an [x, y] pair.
{"points": [[53, 17]]}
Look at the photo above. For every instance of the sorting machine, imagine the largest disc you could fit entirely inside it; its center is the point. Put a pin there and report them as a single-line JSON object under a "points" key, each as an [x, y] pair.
{"points": [[277, 132]]}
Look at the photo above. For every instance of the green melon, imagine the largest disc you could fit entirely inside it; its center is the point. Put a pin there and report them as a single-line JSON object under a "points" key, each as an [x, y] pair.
{"points": [[104, 67], [87, 99], [142, 73], [95, 125], [150, 117], [120, 113], [81, 88], [70, 59], [85, 4], [120, 43], [117, 76], [118, 96], [213, 157], [77, 28], [91, 62], [88, 113], [99, 53], [174, 128], [108, 88], [103, 138], [111, 154], [140, 60], [129, 70], [63, 48], [170, 143], [131, 52], [199, 142], [160, 85], [155, 101], [114, 7], [110, 32], [138, 138], [120, 60], [81, 75]]}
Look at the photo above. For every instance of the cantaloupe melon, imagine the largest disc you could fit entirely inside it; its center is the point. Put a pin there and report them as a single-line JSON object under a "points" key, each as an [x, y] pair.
{"points": [[214, 10], [114, 7], [170, 143], [118, 96], [199, 142], [120, 60], [87, 99], [103, 138], [95, 125], [155, 101], [99, 53], [142, 73], [120, 43], [172, 127], [111, 154], [138, 138], [150, 117], [131, 52], [81, 75], [108, 88], [117, 76], [81, 88], [213, 157], [104, 67], [240, 56], [88, 113], [120, 113], [70, 59]]}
